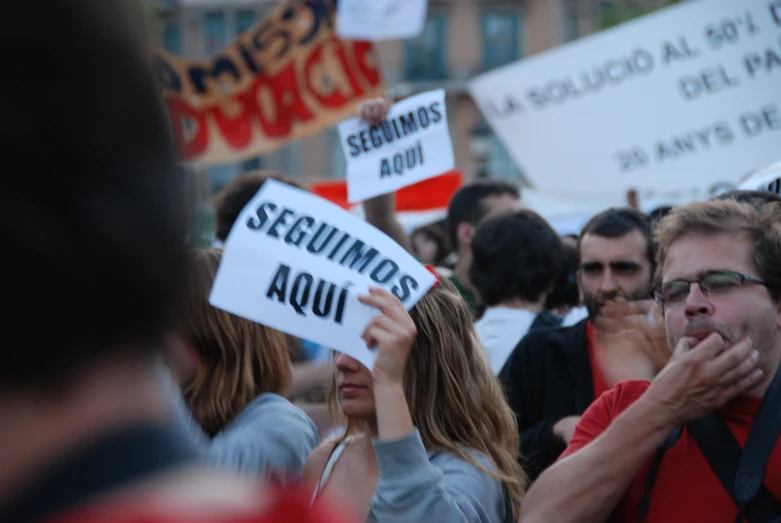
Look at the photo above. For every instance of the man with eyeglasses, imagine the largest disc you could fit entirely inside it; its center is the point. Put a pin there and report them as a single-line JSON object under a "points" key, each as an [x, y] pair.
{"points": [[700, 442]]}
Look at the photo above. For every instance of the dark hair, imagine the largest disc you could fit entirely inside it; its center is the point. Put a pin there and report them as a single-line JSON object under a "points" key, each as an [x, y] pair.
{"points": [[565, 291], [229, 203], [660, 212], [436, 233], [94, 214], [756, 198], [516, 255], [466, 205], [616, 222]]}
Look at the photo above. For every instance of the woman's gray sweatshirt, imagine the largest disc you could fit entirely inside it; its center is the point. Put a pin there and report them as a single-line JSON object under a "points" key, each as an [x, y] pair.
{"points": [[416, 486], [269, 438]]}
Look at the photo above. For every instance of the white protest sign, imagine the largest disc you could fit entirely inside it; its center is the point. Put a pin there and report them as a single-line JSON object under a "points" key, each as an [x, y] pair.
{"points": [[297, 263], [411, 145], [687, 98], [376, 20]]}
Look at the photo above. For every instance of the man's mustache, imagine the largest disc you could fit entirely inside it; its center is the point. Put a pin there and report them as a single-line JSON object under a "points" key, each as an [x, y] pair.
{"points": [[701, 325]]}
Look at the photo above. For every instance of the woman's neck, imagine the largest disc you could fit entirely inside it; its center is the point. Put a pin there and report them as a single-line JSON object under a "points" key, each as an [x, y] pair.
{"points": [[371, 428], [364, 427]]}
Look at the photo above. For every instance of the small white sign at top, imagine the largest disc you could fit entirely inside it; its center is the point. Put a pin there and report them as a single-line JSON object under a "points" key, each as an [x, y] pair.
{"points": [[376, 20]]}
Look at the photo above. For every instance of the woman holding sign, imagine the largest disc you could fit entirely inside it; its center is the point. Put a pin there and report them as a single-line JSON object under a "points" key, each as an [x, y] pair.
{"points": [[233, 375], [429, 436]]}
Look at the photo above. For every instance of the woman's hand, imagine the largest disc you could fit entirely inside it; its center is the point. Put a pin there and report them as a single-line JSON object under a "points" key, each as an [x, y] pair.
{"points": [[393, 333]]}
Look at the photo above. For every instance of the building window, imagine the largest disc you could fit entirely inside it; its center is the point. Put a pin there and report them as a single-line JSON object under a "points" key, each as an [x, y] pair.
{"points": [[172, 38], [286, 160], [220, 175], [253, 164], [424, 56], [500, 38], [570, 18], [501, 165], [214, 31], [245, 18]]}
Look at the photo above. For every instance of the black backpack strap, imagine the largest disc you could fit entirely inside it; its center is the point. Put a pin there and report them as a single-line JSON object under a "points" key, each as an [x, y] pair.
{"points": [[759, 446], [653, 472], [723, 453]]}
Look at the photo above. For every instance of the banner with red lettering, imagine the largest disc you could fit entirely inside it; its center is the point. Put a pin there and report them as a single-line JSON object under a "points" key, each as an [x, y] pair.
{"points": [[284, 79]]}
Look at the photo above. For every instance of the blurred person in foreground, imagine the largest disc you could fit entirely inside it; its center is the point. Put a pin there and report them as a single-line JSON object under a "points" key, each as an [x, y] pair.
{"points": [[516, 258], [553, 375], [94, 219], [649, 451]]}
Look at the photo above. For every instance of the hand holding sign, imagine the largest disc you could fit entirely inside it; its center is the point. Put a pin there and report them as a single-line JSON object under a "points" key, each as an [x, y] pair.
{"points": [[373, 112], [412, 144], [393, 333]]}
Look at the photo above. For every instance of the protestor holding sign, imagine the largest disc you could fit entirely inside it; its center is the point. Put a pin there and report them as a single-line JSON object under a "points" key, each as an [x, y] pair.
{"points": [[234, 375], [429, 435], [411, 144]]}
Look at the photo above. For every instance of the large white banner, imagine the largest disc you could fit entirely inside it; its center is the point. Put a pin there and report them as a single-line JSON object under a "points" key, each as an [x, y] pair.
{"points": [[682, 101], [411, 145], [375, 20], [297, 263]]}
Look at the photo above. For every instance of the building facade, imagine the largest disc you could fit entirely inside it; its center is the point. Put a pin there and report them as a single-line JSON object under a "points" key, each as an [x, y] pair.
{"points": [[461, 39]]}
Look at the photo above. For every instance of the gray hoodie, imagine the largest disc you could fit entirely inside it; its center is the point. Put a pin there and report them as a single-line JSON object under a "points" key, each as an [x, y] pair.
{"points": [[270, 438], [416, 486]]}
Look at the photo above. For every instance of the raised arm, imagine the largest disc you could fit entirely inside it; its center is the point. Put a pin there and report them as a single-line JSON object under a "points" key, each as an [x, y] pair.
{"points": [[411, 488], [380, 211]]}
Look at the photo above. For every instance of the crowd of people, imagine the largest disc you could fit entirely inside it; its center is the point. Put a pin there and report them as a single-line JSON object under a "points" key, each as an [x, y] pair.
{"points": [[629, 373]]}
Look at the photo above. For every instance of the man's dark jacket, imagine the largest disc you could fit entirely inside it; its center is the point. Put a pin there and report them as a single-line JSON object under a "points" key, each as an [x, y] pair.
{"points": [[547, 377]]}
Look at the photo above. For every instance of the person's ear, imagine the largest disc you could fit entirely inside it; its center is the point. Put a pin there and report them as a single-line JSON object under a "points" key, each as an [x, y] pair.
{"points": [[181, 358], [464, 232]]}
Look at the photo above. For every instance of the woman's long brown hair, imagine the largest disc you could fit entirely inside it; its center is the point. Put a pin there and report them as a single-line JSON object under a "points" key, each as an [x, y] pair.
{"points": [[239, 359], [455, 400]]}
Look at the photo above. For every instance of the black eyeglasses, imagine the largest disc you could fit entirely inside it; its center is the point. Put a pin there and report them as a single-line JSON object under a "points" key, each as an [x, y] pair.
{"points": [[712, 284]]}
